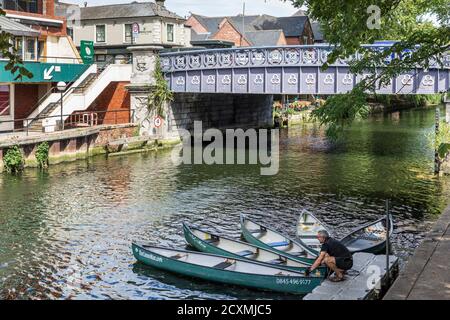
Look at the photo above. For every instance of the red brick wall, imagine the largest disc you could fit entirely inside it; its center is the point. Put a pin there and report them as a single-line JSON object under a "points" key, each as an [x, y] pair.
{"points": [[195, 25], [50, 7], [228, 33], [46, 9], [292, 41], [25, 98], [114, 98]]}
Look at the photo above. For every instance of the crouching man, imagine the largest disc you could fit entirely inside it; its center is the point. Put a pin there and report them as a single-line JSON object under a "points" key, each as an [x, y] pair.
{"points": [[334, 254]]}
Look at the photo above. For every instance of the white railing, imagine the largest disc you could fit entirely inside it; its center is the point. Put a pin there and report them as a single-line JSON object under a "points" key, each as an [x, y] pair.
{"points": [[56, 97], [81, 101], [4, 108]]}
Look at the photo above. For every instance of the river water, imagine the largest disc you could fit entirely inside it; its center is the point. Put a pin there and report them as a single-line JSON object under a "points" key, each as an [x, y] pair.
{"points": [[66, 233]]}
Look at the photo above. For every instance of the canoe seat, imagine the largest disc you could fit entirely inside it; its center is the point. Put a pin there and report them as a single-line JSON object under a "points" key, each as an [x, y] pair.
{"points": [[224, 265], [245, 253], [253, 231], [298, 254], [212, 240], [279, 244], [276, 261], [370, 237], [178, 256]]}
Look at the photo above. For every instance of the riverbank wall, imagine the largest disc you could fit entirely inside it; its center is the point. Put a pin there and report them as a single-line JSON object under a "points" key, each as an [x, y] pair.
{"points": [[76, 144], [426, 276]]}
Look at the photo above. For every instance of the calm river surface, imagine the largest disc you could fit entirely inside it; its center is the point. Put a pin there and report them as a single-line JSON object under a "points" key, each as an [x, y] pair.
{"points": [[66, 233]]}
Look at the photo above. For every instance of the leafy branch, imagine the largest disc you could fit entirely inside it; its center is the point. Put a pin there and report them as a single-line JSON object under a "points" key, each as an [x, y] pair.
{"points": [[8, 51], [418, 43], [160, 93]]}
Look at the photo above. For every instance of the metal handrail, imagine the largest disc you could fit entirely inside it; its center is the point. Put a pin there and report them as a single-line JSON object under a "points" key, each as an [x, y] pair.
{"points": [[98, 118], [5, 109], [51, 91], [306, 46], [62, 58]]}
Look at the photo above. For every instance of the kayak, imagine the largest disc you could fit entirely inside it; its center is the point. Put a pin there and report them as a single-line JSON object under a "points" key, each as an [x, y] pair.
{"points": [[307, 227], [370, 238], [211, 243], [226, 270], [267, 238]]}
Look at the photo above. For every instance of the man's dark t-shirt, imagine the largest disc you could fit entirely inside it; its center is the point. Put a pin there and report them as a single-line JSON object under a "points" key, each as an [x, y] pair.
{"points": [[335, 249]]}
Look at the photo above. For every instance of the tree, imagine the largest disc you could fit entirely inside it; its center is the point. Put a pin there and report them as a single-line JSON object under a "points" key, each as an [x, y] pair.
{"points": [[421, 29], [7, 50]]}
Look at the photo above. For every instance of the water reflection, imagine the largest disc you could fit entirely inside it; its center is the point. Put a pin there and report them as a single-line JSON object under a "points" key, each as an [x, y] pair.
{"points": [[66, 233]]}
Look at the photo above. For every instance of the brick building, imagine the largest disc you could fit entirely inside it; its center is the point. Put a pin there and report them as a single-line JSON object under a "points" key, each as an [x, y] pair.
{"points": [[40, 39], [244, 31]]}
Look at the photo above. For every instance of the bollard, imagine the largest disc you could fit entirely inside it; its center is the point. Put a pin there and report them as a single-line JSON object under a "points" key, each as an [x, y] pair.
{"points": [[387, 243], [437, 161]]}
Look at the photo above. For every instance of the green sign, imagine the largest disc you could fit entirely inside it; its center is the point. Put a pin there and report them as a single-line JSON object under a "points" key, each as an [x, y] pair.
{"points": [[87, 51], [45, 72]]}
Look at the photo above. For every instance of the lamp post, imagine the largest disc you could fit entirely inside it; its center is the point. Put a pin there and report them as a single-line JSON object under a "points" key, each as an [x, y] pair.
{"points": [[61, 88]]}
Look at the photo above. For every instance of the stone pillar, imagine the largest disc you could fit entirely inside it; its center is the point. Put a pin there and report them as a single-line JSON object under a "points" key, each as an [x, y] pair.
{"points": [[445, 167], [141, 84]]}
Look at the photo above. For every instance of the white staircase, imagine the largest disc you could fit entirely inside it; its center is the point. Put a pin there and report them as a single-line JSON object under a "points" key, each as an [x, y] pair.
{"points": [[75, 99]]}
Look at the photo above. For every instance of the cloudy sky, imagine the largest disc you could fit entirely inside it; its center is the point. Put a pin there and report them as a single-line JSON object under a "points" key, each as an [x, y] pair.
{"points": [[215, 7]]}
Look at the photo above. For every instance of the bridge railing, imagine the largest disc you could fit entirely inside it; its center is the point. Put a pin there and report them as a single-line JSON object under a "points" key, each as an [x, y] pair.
{"points": [[253, 57]]}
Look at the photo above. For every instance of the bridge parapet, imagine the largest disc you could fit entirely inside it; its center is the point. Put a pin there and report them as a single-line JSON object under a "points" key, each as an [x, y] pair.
{"points": [[286, 70]]}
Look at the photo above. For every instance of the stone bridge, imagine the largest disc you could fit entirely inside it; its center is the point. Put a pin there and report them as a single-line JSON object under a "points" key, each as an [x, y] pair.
{"points": [[289, 70]]}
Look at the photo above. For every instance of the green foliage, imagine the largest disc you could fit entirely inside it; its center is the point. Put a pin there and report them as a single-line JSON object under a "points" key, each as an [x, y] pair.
{"points": [[345, 26], [7, 51], [415, 100], [13, 160], [160, 94], [341, 110], [290, 111], [42, 154], [441, 141]]}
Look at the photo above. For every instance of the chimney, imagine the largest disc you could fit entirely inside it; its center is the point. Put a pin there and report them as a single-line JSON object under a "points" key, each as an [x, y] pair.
{"points": [[160, 3], [85, 4], [49, 7]]}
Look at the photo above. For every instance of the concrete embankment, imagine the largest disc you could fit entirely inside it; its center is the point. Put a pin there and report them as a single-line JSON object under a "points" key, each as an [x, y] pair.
{"points": [[427, 273], [75, 144]]}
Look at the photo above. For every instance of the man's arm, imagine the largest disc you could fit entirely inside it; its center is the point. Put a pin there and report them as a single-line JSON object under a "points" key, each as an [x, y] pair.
{"points": [[318, 261]]}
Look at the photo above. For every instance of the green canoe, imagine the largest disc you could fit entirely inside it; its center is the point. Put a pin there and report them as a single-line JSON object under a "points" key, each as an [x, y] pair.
{"points": [[262, 236], [370, 238], [307, 228], [225, 270], [215, 244]]}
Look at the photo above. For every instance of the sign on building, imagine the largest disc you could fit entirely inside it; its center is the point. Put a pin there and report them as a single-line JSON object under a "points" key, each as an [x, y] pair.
{"points": [[87, 51], [136, 30]]}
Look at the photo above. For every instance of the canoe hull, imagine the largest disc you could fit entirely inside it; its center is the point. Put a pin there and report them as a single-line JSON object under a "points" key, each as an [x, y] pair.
{"points": [[253, 240], [376, 248], [285, 284], [208, 248]]}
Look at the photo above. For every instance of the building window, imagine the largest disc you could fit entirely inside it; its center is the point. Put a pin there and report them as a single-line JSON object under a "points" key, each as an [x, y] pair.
{"points": [[4, 100], [100, 33], [18, 44], [170, 33], [20, 5], [30, 49], [100, 58], [128, 33]]}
